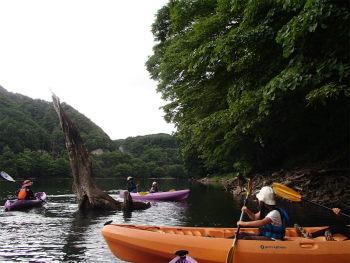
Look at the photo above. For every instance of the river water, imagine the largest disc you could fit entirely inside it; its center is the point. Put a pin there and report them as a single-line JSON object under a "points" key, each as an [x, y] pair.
{"points": [[59, 232]]}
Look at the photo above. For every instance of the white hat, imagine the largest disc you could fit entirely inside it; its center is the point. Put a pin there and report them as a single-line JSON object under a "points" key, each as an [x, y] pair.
{"points": [[154, 183], [129, 178], [266, 195]]}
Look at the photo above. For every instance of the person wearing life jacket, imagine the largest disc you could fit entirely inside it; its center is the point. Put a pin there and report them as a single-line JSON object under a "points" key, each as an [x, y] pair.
{"points": [[154, 188], [132, 188], [25, 193], [271, 220]]}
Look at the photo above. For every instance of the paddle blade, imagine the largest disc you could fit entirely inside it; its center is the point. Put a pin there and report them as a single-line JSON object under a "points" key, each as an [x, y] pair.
{"points": [[249, 187], [286, 192], [6, 176], [229, 256], [143, 193]]}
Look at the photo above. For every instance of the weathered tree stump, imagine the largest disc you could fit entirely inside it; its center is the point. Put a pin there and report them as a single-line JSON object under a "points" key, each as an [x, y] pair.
{"points": [[128, 205], [84, 187]]}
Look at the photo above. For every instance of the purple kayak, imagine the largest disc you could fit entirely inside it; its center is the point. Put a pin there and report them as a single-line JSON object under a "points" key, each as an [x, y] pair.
{"points": [[159, 196], [25, 204]]}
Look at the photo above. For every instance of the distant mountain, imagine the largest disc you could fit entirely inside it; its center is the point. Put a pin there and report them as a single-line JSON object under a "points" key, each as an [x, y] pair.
{"points": [[33, 124]]}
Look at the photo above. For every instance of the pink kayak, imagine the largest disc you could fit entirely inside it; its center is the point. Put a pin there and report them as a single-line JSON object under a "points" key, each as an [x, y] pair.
{"points": [[24, 204], [182, 258], [159, 196]]}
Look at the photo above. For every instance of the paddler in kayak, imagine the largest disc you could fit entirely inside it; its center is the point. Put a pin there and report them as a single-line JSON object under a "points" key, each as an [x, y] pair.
{"points": [[25, 193], [154, 188], [132, 188], [271, 220], [329, 231]]}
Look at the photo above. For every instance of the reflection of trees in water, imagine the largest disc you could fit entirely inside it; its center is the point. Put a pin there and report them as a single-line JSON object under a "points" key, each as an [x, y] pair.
{"points": [[76, 244]]}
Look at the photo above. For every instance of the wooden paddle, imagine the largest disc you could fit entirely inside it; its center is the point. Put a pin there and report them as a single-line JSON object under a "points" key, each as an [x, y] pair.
{"points": [[229, 256], [290, 194]]}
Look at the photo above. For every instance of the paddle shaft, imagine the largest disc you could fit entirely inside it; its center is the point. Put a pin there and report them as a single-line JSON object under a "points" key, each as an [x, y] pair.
{"points": [[229, 256], [312, 202], [240, 219]]}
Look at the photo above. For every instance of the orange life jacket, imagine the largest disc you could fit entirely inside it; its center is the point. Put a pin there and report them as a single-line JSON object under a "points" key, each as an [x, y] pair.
{"points": [[22, 194]]}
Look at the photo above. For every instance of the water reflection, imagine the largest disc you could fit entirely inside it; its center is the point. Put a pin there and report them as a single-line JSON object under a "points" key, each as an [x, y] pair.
{"points": [[59, 232]]}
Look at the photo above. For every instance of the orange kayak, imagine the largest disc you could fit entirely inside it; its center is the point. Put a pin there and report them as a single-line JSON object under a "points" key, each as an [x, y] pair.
{"points": [[137, 243]]}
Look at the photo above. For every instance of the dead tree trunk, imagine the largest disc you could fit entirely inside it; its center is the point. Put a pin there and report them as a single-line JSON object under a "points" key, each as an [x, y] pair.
{"points": [[84, 187]]}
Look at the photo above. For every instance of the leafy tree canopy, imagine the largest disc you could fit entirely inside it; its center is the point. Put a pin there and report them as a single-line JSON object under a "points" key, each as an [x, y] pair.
{"points": [[253, 85]]}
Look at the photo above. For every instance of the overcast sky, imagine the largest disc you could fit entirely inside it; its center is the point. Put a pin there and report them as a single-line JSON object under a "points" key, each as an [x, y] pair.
{"points": [[91, 53]]}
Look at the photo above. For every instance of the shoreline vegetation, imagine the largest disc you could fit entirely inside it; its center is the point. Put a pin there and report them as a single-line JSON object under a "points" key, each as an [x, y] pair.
{"points": [[327, 186]]}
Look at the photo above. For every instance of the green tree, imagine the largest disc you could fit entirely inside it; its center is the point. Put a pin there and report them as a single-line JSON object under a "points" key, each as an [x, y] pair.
{"points": [[176, 171], [254, 84], [159, 172]]}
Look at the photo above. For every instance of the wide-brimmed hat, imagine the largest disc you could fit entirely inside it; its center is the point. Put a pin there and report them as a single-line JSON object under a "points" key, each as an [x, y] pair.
{"points": [[27, 183], [266, 195], [129, 178], [154, 183]]}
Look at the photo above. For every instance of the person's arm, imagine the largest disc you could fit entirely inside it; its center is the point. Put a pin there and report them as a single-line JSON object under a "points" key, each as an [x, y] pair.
{"points": [[345, 210], [256, 223], [251, 215], [130, 187], [30, 194]]}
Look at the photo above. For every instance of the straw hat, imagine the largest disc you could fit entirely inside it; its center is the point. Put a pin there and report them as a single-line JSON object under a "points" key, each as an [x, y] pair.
{"points": [[27, 183], [266, 195], [154, 183]]}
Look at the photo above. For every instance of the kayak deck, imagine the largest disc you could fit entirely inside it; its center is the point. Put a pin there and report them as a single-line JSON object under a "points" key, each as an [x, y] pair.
{"points": [[17, 204], [210, 245], [160, 196]]}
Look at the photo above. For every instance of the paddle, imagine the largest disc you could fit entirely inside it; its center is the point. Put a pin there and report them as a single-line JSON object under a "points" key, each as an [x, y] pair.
{"points": [[144, 193], [290, 194], [8, 178], [229, 256]]}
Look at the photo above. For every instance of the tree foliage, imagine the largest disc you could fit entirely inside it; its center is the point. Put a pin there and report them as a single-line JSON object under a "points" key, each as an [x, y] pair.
{"points": [[32, 144], [253, 85]]}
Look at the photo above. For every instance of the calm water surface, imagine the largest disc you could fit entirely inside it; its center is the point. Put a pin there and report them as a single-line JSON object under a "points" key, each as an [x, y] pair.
{"points": [[58, 232]]}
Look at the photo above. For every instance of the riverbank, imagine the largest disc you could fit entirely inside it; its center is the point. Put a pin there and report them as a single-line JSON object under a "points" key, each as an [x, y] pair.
{"points": [[329, 187]]}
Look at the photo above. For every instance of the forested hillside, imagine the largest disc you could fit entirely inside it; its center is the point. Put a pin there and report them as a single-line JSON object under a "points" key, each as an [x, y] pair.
{"points": [[32, 144], [255, 85]]}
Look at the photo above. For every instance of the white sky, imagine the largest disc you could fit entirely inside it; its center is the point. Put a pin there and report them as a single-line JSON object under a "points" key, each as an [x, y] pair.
{"points": [[91, 53]]}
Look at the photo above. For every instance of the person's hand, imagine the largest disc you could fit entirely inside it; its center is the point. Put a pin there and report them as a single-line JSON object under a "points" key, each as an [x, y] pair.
{"points": [[245, 209], [241, 223], [336, 211]]}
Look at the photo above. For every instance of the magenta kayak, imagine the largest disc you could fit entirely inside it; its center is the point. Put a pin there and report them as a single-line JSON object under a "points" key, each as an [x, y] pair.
{"points": [[24, 204], [159, 196]]}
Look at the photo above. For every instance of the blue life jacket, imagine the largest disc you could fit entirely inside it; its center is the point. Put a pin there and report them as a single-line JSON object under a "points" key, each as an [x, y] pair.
{"points": [[276, 232], [155, 189]]}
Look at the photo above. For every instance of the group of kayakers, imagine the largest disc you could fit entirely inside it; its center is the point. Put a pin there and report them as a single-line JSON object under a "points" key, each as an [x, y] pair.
{"points": [[132, 188], [271, 220]]}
